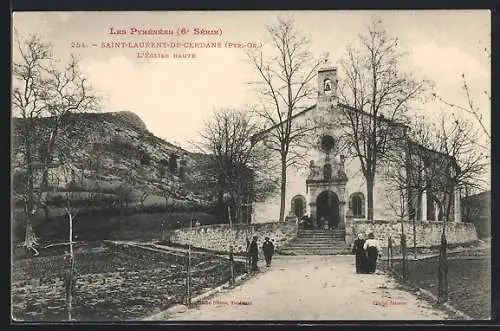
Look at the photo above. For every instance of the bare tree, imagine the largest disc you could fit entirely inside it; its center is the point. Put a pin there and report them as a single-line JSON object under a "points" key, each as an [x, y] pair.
{"points": [[470, 107], [72, 213], [66, 176], [406, 181], [43, 89], [235, 156], [123, 193], [462, 167], [466, 163], [440, 160], [144, 195], [285, 83], [457, 138], [375, 86], [165, 191]]}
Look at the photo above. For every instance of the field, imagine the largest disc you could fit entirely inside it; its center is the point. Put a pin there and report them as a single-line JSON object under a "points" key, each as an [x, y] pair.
{"points": [[469, 280], [113, 282]]}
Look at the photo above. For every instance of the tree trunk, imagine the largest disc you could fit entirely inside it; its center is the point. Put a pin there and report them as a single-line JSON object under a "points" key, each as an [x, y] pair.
{"points": [[369, 196], [46, 211], [415, 238], [283, 190], [403, 249], [443, 269], [30, 194], [71, 266], [238, 203]]}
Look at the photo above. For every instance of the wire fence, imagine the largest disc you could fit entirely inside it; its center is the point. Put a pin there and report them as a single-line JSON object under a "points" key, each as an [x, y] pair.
{"points": [[405, 269], [118, 280], [208, 270]]}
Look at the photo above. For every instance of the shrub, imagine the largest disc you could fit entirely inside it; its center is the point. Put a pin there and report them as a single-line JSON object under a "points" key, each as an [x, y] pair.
{"points": [[121, 146], [132, 226], [145, 158], [18, 227]]}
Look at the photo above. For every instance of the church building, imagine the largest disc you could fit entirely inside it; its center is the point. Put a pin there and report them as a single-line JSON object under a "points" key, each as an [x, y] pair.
{"points": [[327, 184]]}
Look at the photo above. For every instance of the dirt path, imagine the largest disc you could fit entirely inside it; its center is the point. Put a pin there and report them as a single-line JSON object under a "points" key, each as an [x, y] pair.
{"points": [[313, 288]]}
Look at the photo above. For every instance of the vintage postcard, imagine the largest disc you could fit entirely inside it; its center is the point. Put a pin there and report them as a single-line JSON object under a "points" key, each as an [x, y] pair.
{"points": [[251, 166]]}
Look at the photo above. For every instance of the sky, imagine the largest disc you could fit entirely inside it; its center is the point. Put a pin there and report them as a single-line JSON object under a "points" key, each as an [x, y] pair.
{"points": [[175, 96]]}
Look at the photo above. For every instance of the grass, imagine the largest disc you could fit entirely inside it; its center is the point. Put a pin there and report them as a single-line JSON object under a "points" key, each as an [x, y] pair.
{"points": [[469, 280], [113, 283]]}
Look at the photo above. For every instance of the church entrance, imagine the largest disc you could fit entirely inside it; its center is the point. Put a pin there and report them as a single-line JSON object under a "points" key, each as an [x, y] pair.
{"points": [[327, 210]]}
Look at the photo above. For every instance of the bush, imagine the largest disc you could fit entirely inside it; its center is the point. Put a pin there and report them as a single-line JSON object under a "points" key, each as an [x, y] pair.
{"points": [[80, 199], [18, 227], [145, 158], [122, 147], [127, 227]]}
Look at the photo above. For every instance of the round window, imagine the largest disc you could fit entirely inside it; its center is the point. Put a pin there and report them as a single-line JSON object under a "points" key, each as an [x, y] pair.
{"points": [[327, 143]]}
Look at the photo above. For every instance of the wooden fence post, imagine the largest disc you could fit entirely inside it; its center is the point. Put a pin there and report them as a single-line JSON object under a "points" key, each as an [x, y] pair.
{"points": [[389, 252], [248, 261], [231, 261], [443, 271], [188, 279], [403, 253]]}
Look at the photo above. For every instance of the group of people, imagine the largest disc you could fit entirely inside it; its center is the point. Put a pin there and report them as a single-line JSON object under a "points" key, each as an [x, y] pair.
{"points": [[253, 252], [367, 252]]}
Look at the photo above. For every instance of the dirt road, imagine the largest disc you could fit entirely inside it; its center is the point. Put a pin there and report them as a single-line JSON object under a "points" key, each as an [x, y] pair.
{"points": [[312, 288]]}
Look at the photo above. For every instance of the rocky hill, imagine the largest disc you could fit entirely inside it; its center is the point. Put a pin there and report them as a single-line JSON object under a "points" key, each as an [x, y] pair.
{"points": [[112, 152]]}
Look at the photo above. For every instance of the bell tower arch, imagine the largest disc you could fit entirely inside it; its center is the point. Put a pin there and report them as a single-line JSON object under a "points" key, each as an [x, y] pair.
{"points": [[327, 85]]}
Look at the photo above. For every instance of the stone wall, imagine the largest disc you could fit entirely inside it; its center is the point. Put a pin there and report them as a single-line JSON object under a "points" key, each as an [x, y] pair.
{"points": [[428, 234], [220, 237]]}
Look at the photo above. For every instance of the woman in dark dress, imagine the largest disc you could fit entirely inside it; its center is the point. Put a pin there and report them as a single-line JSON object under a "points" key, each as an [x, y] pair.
{"points": [[372, 249], [357, 249]]}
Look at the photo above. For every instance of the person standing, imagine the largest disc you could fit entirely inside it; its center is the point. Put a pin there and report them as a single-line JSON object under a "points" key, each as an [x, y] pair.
{"points": [[253, 251], [357, 248], [268, 249], [372, 249]]}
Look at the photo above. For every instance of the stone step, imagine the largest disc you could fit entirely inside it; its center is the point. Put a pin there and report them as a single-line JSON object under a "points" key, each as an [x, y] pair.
{"points": [[332, 244], [326, 235], [321, 231], [326, 242], [316, 248], [319, 243], [315, 252], [320, 236]]}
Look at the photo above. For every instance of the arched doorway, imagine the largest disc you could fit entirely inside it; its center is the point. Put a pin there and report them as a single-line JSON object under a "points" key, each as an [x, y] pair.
{"points": [[327, 207], [299, 205]]}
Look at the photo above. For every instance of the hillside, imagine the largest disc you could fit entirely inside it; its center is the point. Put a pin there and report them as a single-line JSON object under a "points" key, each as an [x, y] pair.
{"points": [[114, 160]]}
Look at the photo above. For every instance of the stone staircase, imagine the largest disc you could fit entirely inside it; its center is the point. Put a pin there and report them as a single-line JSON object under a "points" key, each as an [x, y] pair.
{"points": [[317, 242]]}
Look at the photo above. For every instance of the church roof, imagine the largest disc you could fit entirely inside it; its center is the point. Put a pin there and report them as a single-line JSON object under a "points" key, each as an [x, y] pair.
{"points": [[414, 144], [344, 106]]}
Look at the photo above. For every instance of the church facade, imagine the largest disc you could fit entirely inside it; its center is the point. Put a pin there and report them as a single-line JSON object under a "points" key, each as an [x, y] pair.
{"points": [[327, 184]]}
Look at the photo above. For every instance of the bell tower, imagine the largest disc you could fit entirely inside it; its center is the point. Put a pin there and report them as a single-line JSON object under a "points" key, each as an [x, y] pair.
{"points": [[327, 85]]}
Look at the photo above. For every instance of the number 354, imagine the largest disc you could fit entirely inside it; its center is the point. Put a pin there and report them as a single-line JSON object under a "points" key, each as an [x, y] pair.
{"points": [[78, 44]]}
